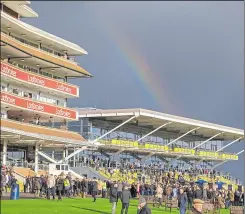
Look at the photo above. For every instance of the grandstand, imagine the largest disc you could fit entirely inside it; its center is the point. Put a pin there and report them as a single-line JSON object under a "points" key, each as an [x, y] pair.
{"points": [[144, 135]]}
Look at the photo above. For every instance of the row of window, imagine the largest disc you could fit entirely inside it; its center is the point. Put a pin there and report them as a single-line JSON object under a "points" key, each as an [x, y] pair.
{"points": [[43, 73], [32, 95], [40, 46]]}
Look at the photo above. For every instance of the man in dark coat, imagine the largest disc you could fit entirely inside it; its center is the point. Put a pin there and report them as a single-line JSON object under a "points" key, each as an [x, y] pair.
{"points": [[113, 197], [182, 198], [198, 193], [189, 193], [94, 188], [125, 198], [60, 185], [142, 208]]}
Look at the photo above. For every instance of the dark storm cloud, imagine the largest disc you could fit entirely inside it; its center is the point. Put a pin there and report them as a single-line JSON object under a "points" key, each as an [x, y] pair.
{"points": [[196, 48]]}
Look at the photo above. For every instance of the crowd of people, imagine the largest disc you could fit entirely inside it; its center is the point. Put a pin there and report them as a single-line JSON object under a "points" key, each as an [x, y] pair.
{"points": [[162, 186]]}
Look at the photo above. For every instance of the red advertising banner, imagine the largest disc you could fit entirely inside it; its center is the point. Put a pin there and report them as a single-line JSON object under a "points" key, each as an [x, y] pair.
{"points": [[37, 106], [13, 72]]}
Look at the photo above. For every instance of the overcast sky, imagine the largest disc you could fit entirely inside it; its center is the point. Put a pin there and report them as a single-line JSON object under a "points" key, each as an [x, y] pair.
{"points": [[183, 58]]}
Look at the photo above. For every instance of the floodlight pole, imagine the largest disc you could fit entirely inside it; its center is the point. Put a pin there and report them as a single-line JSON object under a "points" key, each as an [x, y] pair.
{"points": [[165, 124], [97, 139], [226, 160], [182, 136]]}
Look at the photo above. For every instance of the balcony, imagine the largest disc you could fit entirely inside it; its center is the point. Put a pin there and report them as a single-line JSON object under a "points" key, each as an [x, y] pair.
{"points": [[37, 52], [19, 76], [14, 104], [166, 150]]}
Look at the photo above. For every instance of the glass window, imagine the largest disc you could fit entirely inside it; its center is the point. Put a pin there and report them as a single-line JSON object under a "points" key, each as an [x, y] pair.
{"points": [[35, 96], [43, 99], [57, 167], [3, 88], [26, 94]]}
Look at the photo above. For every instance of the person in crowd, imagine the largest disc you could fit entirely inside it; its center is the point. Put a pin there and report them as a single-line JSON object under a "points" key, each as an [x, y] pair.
{"points": [[125, 198], [67, 187], [182, 198], [37, 186], [104, 189], [119, 189], [237, 197], [60, 185], [189, 193], [94, 188], [198, 193], [142, 207], [108, 187], [51, 187], [84, 187], [159, 193], [114, 197]]}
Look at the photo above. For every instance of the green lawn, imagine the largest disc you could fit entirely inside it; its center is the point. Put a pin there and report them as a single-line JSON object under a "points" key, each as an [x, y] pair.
{"points": [[69, 206]]}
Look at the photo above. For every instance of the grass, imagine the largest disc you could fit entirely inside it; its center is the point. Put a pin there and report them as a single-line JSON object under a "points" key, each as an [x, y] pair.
{"points": [[70, 206]]}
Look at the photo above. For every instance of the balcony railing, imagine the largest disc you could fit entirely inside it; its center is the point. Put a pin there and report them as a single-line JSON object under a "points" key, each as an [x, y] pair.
{"points": [[43, 55], [42, 49], [163, 148]]}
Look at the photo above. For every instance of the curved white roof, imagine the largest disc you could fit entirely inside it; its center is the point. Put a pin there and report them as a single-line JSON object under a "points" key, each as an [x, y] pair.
{"points": [[38, 34], [155, 119]]}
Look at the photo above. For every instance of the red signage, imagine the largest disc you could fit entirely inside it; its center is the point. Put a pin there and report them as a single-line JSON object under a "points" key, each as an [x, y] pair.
{"points": [[13, 72], [36, 106]]}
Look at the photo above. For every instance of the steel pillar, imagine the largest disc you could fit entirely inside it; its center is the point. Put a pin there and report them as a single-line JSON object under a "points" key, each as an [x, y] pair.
{"points": [[46, 156], [36, 158], [219, 164], [165, 124], [97, 139], [208, 140], [182, 136], [229, 144], [5, 145]]}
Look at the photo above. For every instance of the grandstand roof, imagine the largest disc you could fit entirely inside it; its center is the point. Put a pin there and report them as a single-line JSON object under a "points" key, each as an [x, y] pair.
{"points": [[152, 119]]}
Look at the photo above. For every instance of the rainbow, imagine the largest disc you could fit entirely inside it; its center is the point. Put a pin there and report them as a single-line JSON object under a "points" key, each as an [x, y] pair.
{"points": [[151, 81]]}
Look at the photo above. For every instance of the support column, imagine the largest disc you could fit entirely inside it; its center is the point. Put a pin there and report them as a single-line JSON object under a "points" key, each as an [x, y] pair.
{"points": [[102, 136], [74, 159], [36, 158], [182, 136], [4, 152], [52, 155]]}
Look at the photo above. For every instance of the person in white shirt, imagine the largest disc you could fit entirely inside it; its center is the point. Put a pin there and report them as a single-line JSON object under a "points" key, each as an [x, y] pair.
{"points": [[51, 186]]}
